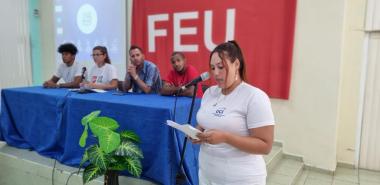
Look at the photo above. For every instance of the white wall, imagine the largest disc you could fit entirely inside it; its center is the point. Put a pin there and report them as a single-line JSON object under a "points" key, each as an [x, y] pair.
{"points": [[48, 48], [307, 122]]}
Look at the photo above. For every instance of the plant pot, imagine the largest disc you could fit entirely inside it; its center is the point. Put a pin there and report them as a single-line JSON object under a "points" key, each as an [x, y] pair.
{"points": [[111, 178]]}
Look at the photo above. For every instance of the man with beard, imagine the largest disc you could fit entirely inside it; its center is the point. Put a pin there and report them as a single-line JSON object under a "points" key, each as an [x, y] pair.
{"points": [[142, 75]]}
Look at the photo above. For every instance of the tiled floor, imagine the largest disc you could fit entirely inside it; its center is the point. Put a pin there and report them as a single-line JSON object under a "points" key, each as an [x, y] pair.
{"points": [[342, 176], [24, 167], [284, 172]]}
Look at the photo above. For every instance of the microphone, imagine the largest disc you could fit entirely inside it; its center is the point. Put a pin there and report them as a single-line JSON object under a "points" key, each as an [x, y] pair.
{"points": [[83, 72], [204, 76]]}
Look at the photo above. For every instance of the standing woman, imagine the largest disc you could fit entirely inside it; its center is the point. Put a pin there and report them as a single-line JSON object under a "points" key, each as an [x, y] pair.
{"points": [[102, 75], [237, 123]]}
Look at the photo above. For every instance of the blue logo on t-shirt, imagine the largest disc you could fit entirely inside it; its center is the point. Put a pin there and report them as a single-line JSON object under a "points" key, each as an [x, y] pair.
{"points": [[219, 112]]}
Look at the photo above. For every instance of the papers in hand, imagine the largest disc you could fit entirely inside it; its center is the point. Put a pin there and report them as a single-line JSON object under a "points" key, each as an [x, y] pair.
{"points": [[186, 128]]}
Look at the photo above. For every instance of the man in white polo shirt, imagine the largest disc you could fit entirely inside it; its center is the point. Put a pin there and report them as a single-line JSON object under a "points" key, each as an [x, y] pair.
{"points": [[70, 71]]}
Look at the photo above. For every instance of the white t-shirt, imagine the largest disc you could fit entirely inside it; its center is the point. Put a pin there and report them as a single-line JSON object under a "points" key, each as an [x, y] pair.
{"points": [[102, 75], [246, 107], [68, 73]]}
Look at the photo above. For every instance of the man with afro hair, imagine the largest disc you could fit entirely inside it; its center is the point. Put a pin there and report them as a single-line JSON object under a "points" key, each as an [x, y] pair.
{"points": [[69, 70]]}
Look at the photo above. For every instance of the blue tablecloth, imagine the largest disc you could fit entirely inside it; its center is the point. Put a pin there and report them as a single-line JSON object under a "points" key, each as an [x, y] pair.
{"points": [[48, 121]]}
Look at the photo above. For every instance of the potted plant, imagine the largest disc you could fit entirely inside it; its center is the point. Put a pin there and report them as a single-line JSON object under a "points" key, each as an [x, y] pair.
{"points": [[114, 151]]}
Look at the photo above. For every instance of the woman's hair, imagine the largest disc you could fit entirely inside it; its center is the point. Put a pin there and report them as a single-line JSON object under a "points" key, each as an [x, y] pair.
{"points": [[103, 49], [68, 47], [232, 51]]}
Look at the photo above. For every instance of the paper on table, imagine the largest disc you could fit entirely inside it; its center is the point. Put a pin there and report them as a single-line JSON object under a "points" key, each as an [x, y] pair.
{"points": [[185, 128], [84, 90], [99, 90]]}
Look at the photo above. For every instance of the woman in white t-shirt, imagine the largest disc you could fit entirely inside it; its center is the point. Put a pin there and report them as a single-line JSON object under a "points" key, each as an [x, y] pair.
{"points": [[237, 123], [102, 75]]}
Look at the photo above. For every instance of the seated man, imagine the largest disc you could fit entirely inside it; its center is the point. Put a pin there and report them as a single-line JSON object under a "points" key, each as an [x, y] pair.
{"points": [[180, 75], [70, 71], [142, 76]]}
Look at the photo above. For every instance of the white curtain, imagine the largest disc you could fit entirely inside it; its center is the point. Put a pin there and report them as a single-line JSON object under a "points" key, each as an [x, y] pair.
{"points": [[15, 59], [370, 137], [369, 156], [373, 15]]}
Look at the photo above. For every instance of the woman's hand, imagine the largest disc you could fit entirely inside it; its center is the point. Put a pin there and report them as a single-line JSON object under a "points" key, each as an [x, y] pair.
{"points": [[82, 84], [213, 136], [91, 85], [197, 141], [87, 85]]}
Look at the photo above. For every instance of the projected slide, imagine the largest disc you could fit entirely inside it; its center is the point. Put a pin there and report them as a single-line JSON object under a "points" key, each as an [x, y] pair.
{"points": [[88, 23]]}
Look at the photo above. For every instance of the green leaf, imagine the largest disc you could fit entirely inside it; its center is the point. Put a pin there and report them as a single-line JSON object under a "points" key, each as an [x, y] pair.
{"points": [[109, 141], [130, 135], [117, 163], [89, 117], [106, 122], [83, 137], [115, 159], [91, 172], [134, 166], [100, 128], [129, 149], [98, 157], [119, 166], [84, 158]]}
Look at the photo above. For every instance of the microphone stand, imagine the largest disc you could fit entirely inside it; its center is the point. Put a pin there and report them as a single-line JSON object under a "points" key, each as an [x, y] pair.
{"points": [[180, 177]]}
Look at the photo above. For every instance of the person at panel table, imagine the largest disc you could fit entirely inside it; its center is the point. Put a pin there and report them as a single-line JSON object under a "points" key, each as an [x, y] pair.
{"points": [[181, 74], [237, 123], [142, 75], [69, 70], [103, 74]]}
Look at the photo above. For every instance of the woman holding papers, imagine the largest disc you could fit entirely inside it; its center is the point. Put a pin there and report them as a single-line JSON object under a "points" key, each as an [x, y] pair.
{"points": [[236, 121], [102, 75]]}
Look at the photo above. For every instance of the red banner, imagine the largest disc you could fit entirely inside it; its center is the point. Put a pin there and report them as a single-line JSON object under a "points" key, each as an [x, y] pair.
{"points": [[263, 29]]}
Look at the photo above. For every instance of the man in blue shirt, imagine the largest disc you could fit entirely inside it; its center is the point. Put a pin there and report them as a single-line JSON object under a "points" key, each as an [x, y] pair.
{"points": [[142, 76]]}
